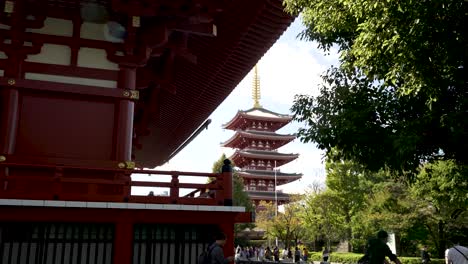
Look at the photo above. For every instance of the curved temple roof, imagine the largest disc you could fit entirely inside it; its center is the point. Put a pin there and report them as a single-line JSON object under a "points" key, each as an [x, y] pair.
{"points": [[270, 174], [262, 135], [268, 195], [221, 63], [241, 157], [260, 114], [260, 154]]}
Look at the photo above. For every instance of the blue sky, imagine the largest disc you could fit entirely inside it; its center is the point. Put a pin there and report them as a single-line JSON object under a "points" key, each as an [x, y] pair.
{"points": [[290, 67]]}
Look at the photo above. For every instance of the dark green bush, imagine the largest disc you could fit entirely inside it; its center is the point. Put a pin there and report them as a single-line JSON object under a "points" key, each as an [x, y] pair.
{"points": [[352, 258]]}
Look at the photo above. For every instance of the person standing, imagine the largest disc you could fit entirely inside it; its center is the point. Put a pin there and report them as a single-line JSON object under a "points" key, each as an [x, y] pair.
{"points": [[268, 254], [456, 254], [261, 253], [276, 254], [305, 254], [325, 254], [297, 255], [217, 252], [425, 258], [285, 253]]}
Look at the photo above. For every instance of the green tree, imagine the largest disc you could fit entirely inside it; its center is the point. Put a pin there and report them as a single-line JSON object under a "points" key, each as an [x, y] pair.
{"points": [[346, 182], [441, 189], [390, 207], [322, 216], [399, 95], [286, 226]]}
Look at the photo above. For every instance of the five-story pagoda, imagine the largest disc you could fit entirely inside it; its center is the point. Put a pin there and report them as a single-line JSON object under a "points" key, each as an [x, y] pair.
{"points": [[256, 143]]}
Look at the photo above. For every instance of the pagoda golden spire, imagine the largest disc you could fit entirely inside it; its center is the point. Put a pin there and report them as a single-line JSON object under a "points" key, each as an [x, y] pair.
{"points": [[256, 89]]}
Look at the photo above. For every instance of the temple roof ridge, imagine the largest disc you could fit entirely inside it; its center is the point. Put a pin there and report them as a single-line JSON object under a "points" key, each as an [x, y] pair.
{"points": [[259, 135], [261, 114], [264, 132], [266, 152], [265, 194], [264, 110], [271, 172]]}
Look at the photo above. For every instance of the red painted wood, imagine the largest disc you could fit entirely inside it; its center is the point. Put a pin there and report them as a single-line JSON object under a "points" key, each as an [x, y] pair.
{"points": [[227, 186], [123, 241], [41, 178], [73, 71], [75, 47], [9, 119], [67, 163], [124, 126], [228, 229], [70, 126], [77, 89], [107, 215]]}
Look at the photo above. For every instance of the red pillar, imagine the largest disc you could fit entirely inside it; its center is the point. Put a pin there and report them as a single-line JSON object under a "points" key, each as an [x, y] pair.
{"points": [[123, 242], [227, 182], [9, 110], [124, 133], [8, 120], [124, 126], [228, 230]]}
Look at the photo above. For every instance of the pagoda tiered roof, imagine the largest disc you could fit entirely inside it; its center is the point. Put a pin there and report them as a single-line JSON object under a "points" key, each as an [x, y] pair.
{"points": [[256, 143], [278, 140], [270, 174], [257, 114], [242, 156], [268, 196]]}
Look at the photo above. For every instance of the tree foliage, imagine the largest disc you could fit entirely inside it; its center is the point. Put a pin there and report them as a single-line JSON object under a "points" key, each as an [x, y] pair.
{"points": [[285, 225], [441, 189], [322, 217], [413, 45], [346, 183], [399, 95], [428, 210]]}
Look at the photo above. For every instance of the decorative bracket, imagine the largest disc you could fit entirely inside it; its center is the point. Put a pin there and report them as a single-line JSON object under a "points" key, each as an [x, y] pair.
{"points": [[126, 165], [132, 94], [130, 164]]}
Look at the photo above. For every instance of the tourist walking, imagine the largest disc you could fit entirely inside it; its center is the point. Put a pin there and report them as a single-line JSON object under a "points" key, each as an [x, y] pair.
{"points": [[297, 255], [377, 249], [425, 258], [325, 255]]}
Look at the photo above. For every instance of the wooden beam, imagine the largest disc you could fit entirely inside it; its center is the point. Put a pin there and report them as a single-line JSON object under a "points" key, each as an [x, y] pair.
{"points": [[202, 29]]}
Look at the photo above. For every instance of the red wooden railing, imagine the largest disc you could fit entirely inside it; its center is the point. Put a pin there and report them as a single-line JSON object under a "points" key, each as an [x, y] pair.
{"points": [[47, 179]]}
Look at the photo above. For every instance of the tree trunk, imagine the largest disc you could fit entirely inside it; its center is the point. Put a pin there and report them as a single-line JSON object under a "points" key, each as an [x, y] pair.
{"points": [[442, 240], [349, 232]]}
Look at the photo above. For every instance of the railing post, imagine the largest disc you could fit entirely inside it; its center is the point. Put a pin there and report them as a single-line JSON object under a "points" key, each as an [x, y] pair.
{"points": [[227, 182], [174, 188], [3, 175], [57, 183]]}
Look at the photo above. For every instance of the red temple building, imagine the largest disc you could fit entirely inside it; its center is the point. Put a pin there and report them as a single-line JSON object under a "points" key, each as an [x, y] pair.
{"points": [[93, 91], [256, 143]]}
